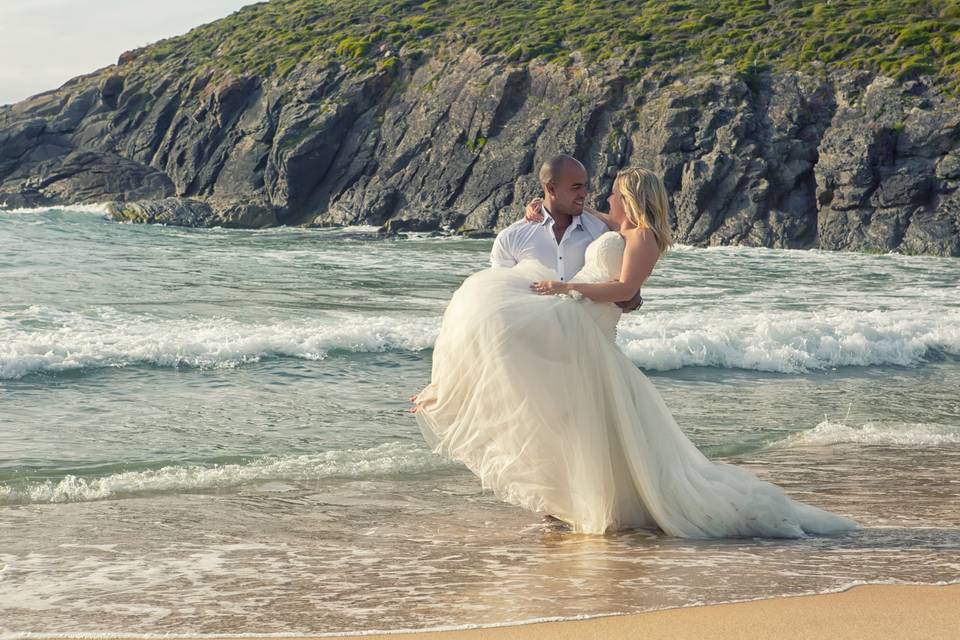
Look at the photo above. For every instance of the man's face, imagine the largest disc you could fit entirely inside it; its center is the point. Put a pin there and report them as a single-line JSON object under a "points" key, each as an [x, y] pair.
{"points": [[569, 189]]}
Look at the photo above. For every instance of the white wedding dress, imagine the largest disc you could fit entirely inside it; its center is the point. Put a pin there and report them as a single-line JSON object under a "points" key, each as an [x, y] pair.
{"points": [[532, 394]]}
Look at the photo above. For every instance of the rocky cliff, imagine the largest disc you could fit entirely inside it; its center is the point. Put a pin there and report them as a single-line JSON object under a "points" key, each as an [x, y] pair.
{"points": [[801, 159]]}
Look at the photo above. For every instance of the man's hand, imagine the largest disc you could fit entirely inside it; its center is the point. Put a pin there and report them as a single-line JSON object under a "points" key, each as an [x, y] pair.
{"points": [[632, 304]]}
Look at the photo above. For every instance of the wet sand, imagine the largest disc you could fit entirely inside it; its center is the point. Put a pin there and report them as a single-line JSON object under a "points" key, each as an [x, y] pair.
{"points": [[875, 612]]}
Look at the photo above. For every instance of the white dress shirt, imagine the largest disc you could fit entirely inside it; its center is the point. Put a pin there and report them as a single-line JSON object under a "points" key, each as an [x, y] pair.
{"points": [[523, 240]]}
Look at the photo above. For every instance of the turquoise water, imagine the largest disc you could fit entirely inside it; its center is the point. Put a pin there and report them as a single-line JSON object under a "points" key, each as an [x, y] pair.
{"points": [[206, 431]]}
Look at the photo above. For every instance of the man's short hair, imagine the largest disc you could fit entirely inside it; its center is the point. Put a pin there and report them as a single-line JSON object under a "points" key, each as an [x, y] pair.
{"points": [[550, 168]]}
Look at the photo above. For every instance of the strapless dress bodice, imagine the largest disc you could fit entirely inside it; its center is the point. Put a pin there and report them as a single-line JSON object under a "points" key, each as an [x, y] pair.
{"points": [[602, 263]]}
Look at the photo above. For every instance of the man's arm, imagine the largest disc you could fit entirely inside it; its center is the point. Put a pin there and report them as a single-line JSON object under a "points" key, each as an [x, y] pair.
{"points": [[501, 255], [632, 304]]}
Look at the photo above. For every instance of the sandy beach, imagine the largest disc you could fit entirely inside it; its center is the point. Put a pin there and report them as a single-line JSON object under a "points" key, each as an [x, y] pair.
{"points": [[901, 612]]}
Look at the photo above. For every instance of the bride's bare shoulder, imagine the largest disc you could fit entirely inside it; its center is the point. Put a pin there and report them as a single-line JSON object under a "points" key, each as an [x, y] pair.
{"points": [[642, 244], [640, 236]]}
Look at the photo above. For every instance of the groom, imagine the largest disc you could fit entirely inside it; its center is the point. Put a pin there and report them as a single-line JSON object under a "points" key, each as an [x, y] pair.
{"points": [[560, 240]]}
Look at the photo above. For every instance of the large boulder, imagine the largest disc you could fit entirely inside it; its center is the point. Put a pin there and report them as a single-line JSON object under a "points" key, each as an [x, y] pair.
{"points": [[188, 212]]}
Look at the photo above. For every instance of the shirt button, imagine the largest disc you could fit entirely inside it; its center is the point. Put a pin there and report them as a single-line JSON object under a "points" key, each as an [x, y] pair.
{"points": [[561, 257]]}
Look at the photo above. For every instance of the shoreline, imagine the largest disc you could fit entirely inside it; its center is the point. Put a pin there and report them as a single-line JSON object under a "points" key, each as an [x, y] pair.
{"points": [[861, 612], [871, 611]]}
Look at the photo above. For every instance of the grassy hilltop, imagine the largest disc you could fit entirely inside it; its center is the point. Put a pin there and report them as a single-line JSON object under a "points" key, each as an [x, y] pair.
{"points": [[900, 38]]}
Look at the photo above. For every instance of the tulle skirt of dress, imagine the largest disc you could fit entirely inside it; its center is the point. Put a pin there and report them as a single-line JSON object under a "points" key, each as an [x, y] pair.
{"points": [[531, 395]]}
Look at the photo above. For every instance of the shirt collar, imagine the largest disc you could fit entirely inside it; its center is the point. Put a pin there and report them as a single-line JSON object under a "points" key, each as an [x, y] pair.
{"points": [[548, 218]]}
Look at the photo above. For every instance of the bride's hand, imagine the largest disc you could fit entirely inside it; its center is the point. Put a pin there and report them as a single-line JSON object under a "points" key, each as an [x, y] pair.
{"points": [[534, 212], [550, 287]]}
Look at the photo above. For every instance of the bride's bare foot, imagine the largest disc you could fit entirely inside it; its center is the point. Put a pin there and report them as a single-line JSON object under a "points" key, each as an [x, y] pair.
{"points": [[417, 405], [420, 405]]}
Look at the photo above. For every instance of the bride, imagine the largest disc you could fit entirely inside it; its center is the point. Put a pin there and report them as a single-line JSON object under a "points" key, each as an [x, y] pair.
{"points": [[531, 393]]}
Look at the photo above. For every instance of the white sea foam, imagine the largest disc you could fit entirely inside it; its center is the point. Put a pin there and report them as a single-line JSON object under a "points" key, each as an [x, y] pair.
{"points": [[359, 228], [98, 208], [788, 341], [44, 340], [385, 459], [893, 435], [40, 339]]}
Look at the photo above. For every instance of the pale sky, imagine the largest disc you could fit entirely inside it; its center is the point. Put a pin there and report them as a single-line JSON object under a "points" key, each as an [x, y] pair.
{"points": [[44, 43]]}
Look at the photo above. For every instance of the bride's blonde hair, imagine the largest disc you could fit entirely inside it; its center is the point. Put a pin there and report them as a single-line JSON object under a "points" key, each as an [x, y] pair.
{"points": [[645, 202]]}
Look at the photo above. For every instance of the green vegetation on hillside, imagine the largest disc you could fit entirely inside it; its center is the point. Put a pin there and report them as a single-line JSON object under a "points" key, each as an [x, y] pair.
{"points": [[901, 38]]}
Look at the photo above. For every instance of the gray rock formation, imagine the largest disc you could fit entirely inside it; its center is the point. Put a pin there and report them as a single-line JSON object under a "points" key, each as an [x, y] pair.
{"points": [[188, 212], [849, 161]]}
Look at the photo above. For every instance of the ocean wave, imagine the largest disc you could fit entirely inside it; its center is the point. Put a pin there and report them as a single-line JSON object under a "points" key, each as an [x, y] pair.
{"points": [[789, 341], [390, 458], [42, 340], [892, 435]]}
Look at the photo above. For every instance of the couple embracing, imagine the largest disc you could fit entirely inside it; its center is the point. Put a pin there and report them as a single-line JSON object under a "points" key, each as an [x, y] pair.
{"points": [[530, 391]]}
